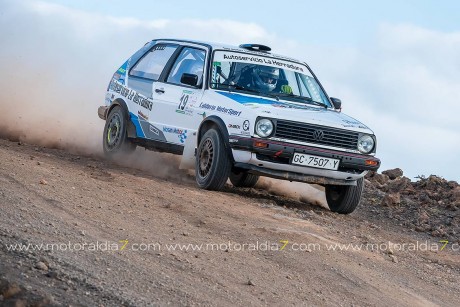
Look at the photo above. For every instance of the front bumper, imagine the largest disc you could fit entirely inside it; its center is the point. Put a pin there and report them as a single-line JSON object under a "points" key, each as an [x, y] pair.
{"points": [[274, 160]]}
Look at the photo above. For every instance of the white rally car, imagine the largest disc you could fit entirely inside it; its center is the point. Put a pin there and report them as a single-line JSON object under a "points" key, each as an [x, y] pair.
{"points": [[239, 113]]}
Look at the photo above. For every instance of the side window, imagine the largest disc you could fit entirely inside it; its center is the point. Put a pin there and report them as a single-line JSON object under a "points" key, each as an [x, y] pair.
{"points": [[190, 61], [152, 64]]}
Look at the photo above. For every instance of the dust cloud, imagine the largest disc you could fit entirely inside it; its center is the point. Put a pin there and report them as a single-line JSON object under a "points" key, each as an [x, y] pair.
{"points": [[54, 78], [306, 193], [159, 165], [56, 65], [41, 110]]}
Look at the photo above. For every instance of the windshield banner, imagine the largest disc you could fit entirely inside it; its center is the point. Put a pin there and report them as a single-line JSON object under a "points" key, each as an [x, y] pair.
{"points": [[225, 56]]}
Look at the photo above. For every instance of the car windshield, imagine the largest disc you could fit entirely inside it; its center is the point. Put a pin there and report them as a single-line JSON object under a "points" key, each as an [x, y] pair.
{"points": [[265, 76]]}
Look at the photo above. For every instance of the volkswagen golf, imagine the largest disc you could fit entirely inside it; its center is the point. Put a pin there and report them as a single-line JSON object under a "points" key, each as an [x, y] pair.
{"points": [[237, 112]]}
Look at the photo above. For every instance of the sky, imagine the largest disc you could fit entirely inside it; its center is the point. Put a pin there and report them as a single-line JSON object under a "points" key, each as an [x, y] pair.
{"points": [[395, 65]]}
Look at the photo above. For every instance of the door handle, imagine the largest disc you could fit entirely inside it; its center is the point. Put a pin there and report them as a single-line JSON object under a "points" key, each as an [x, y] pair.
{"points": [[160, 90]]}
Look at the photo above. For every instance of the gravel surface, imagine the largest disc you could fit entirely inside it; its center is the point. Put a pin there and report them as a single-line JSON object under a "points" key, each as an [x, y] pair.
{"points": [[94, 233]]}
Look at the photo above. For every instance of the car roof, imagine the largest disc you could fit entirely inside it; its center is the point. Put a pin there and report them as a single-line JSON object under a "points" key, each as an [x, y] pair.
{"points": [[220, 46]]}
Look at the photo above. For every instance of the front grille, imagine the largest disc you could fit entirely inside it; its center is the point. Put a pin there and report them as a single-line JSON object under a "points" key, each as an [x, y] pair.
{"points": [[316, 134]]}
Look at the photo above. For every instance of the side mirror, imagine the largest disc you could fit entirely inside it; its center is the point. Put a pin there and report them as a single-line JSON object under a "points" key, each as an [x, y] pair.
{"points": [[337, 103], [189, 79]]}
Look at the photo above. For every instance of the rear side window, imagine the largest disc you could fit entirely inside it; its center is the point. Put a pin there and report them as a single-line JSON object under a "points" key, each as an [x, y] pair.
{"points": [[190, 61], [153, 62]]}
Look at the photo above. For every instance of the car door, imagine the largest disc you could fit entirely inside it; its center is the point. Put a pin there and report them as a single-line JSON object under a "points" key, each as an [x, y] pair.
{"points": [[175, 101], [145, 72]]}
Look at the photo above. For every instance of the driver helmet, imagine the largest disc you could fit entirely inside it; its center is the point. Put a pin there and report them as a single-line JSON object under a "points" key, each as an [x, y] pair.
{"points": [[266, 77]]}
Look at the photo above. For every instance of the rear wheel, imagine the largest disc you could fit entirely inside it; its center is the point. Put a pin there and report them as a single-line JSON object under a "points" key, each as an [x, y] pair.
{"points": [[212, 162], [115, 138], [344, 198], [243, 179]]}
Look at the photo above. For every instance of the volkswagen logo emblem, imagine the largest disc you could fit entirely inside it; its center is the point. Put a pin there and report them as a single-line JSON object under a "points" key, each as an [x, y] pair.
{"points": [[318, 135]]}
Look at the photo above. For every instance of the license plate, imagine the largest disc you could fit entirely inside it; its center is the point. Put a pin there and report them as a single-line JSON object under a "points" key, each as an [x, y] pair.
{"points": [[314, 161]]}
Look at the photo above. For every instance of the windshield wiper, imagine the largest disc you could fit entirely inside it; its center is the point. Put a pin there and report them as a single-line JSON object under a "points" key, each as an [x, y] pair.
{"points": [[319, 103], [302, 99]]}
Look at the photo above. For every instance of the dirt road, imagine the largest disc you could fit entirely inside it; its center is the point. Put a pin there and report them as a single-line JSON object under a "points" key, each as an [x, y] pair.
{"points": [[111, 235]]}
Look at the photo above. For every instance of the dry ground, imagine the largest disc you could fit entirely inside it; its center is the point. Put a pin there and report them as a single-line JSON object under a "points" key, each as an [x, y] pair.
{"points": [[52, 196]]}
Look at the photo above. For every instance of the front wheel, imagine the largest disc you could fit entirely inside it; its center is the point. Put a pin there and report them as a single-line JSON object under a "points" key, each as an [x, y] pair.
{"points": [[212, 162], [344, 198], [115, 138]]}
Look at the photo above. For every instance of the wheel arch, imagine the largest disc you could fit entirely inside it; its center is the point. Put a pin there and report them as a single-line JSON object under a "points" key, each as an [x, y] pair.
{"points": [[214, 121], [131, 129]]}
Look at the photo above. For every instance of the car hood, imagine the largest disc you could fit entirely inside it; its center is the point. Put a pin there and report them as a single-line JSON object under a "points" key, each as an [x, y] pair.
{"points": [[289, 110]]}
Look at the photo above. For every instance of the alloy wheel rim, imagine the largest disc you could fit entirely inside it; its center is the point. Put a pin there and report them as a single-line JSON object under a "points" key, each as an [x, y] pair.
{"points": [[206, 158], [113, 131]]}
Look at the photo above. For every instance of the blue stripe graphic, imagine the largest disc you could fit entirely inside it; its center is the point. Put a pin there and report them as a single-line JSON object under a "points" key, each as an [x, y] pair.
{"points": [[135, 120]]}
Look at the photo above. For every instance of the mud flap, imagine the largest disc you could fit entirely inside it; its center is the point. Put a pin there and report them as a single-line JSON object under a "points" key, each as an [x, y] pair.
{"points": [[188, 156]]}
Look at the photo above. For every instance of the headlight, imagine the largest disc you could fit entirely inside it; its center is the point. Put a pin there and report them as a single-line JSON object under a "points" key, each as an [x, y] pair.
{"points": [[365, 143], [264, 127]]}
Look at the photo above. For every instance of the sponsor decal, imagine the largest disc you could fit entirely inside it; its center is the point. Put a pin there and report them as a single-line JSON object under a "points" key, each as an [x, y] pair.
{"points": [[261, 60], [353, 123], [350, 122], [256, 102], [154, 130], [232, 126], [252, 105], [183, 136], [120, 80], [294, 106], [202, 114], [258, 52], [215, 77], [207, 106], [159, 47], [220, 109], [189, 113], [142, 115], [120, 74], [181, 133], [186, 103], [240, 129], [132, 95], [246, 125]]}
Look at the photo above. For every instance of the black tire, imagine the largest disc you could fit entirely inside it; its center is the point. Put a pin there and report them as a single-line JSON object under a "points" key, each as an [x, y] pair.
{"points": [[212, 166], [344, 198], [115, 139], [243, 179]]}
